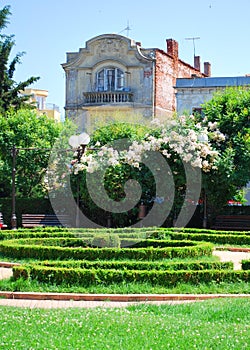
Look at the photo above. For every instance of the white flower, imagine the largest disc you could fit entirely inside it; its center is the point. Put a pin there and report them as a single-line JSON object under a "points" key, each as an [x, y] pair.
{"points": [[197, 163], [136, 165], [192, 136], [187, 157], [212, 126], [166, 154]]}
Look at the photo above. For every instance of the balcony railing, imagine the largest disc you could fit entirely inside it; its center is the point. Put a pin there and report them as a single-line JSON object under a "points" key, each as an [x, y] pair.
{"points": [[102, 97]]}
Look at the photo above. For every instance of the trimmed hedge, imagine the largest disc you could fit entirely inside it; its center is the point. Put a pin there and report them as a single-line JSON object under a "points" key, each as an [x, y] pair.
{"points": [[202, 230], [140, 265], [214, 238], [220, 237], [88, 277], [13, 249]]}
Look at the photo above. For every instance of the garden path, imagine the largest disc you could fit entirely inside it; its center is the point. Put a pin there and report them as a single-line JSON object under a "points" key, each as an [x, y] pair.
{"points": [[235, 257]]}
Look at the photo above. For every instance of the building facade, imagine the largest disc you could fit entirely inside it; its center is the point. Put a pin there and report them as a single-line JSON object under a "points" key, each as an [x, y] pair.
{"points": [[38, 98], [114, 73], [192, 93]]}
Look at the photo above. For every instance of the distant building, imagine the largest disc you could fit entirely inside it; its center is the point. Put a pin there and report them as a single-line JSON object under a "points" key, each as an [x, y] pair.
{"points": [[113, 72], [38, 98], [192, 93]]}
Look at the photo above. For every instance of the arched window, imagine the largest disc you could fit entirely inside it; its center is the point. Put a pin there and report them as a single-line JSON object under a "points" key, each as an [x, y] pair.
{"points": [[110, 79]]}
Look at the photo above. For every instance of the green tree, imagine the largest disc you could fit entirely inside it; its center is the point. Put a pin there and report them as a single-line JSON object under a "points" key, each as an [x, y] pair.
{"points": [[25, 129], [156, 157], [229, 111], [10, 90]]}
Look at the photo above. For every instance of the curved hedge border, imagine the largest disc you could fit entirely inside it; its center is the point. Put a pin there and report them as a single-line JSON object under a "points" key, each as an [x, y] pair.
{"points": [[12, 249], [216, 238], [203, 230], [88, 277], [139, 265], [86, 242]]}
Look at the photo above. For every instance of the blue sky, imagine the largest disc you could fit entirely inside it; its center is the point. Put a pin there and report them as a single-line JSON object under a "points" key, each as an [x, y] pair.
{"points": [[47, 29]]}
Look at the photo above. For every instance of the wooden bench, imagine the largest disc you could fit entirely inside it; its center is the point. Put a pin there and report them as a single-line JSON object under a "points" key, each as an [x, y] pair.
{"points": [[232, 223], [43, 220]]}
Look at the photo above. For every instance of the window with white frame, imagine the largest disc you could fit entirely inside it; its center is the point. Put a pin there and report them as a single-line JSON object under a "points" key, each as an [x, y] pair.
{"points": [[110, 79]]}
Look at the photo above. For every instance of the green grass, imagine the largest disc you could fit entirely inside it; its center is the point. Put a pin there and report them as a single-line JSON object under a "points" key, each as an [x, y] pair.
{"points": [[22, 285], [220, 324]]}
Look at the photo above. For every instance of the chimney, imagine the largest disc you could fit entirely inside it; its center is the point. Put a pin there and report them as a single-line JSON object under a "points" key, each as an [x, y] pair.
{"points": [[172, 48], [207, 68], [197, 63]]}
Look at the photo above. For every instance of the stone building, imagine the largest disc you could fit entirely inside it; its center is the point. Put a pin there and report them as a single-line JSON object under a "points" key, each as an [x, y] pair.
{"points": [[114, 73]]}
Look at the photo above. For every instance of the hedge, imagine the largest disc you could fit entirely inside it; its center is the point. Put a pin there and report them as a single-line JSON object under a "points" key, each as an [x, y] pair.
{"points": [[200, 230], [12, 249], [140, 265], [87, 277], [83, 242], [225, 238], [213, 238], [245, 264]]}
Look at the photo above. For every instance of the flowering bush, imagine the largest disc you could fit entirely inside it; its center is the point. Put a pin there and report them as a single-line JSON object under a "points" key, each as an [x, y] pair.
{"points": [[114, 158], [173, 140]]}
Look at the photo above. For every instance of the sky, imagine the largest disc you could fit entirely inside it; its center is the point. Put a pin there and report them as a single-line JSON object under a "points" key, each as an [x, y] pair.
{"points": [[46, 30]]}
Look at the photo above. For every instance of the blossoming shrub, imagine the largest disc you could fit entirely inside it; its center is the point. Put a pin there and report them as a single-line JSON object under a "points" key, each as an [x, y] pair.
{"points": [[122, 153]]}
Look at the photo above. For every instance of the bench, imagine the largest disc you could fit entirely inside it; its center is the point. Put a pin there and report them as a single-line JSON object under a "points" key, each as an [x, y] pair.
{"points": [[232, 223], [43, 220], [3, 226]]}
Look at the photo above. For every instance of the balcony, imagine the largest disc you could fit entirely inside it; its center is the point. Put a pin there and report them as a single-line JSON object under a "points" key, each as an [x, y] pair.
{"points": [[107, 97]]}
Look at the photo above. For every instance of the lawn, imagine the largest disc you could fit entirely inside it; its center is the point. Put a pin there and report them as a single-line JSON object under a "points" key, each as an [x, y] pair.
{"points": [[219, 324]]}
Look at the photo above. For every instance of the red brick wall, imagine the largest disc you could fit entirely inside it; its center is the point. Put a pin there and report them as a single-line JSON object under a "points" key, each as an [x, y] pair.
{"points": [[167, 69]]}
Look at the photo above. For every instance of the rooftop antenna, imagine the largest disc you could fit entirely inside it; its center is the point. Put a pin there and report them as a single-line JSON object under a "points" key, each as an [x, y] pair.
{"points": [[194, 38], [128, 28]]}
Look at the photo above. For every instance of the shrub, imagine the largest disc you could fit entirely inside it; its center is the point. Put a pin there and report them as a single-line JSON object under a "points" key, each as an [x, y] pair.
{"points": [[28, 249], [106, 240], [87, 277], [245, 264]]}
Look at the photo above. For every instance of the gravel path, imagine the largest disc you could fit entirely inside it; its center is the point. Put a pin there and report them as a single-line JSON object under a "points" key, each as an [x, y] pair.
{"points": [[235, 257]]}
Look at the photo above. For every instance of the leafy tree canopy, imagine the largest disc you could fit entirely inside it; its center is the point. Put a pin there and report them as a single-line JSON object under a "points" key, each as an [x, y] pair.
{"points": [[229, 111], [25, 129], [10, 90]]}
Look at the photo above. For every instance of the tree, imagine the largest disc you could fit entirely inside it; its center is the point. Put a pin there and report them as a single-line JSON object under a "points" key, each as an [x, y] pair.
{"points": [[229, 111], [25, 129], [10, 90], [165, 160]]}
